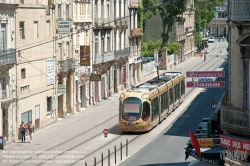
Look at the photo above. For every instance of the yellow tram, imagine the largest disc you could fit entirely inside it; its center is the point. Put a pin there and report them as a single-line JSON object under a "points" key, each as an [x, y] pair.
{"points": [[143, 107]]}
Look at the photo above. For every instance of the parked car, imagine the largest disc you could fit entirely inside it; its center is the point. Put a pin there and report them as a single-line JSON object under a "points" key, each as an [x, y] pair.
{"points": [[211, 39]]}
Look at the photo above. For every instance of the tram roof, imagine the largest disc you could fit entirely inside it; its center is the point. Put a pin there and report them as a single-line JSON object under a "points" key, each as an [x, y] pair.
{"points": [[155, 82]]}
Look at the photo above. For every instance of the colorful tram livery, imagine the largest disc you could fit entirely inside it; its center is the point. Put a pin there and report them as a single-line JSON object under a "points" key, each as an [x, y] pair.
{"points": [[143, 107]]}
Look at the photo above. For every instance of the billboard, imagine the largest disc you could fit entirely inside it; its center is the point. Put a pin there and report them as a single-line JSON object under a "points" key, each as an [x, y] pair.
{"points": [[209, 84], [85, 55], [205, 73]]}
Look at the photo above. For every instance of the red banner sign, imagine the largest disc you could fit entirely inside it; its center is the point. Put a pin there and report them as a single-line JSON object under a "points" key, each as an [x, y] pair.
{"points": [[205, 73], [235, 144], [210, 84], [85, 55]]}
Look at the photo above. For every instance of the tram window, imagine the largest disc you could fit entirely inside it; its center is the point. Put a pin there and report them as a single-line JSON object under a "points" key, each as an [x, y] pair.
{"points": [[120, 104], [171, 95], [146, 111], [182, 87], [164, 100], [155, 107], [131, 109], [176, 89]]}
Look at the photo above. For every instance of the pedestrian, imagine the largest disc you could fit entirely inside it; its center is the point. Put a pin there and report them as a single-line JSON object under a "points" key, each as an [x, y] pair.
{"points": [[175, 65], [213, 106], [31, 129], [23, 128]]}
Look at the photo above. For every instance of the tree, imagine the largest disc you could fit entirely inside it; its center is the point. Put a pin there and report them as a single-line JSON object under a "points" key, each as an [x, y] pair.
{"points": [[170, 13], [146, 12], [204, 12], [173, 48]]}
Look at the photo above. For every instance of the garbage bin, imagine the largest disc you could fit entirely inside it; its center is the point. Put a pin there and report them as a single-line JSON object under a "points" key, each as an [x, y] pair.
{"points": [[2, 142]]}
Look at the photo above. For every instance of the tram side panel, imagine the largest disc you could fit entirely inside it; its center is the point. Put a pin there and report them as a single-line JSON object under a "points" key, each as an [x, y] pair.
{"points": [[163, 91], [170, 97], [182, 89], [155, 116], [175, 92]]}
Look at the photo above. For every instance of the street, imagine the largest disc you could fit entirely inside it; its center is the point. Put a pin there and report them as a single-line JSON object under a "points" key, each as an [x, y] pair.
{"points": [[79, 138]]}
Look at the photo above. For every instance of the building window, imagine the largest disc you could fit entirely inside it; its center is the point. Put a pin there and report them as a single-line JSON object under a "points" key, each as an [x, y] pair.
{"points": [[67, 10], [49, 103], [96, 42], [26, 117], [48, 28], [108, 10], [108, 42], [23, 74], [67, 50], [35, 29], [59, 51], [3, 37], [59, 10], [21, 30], [83, 8]]}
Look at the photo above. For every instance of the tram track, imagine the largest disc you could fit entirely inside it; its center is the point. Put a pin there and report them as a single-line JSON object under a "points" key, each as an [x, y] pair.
{"points": [[100, 124]]}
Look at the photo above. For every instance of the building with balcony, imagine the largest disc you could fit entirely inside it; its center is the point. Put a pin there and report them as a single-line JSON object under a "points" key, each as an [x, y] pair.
{"points": [[110, 47], [134, 43], [8, 61], [218, 26], [64, 53], [183, 32], [234, 110], [82, 46], [35, 64]]}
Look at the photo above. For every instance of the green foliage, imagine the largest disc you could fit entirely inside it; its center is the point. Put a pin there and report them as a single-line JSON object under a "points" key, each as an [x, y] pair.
{"points": [[173, 47], [171, 13], [197, 38], [148, 48], [204, 12]]}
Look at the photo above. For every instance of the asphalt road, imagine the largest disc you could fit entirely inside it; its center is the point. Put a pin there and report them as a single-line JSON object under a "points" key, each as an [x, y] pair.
{"points": [[168, 148]]}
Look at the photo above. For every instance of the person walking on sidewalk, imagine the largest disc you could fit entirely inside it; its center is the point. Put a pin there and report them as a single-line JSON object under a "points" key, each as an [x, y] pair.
{"points": [[31, 129], [23, 128], [213, 106]]}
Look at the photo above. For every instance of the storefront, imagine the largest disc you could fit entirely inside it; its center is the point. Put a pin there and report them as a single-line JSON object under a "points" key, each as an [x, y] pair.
{"points": [[238, 150]]}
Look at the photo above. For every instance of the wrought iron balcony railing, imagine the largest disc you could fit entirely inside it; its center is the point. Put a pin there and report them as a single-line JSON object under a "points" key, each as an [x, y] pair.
{"points": [[103, 22], [240, 10], [136, 32], [98, 58], [108, 56], [8, 57], [122, 53], [235, 120], [66, 65]]}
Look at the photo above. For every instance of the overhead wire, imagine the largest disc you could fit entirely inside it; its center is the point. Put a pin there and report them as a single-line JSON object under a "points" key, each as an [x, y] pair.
{"points": [[64, 36]]}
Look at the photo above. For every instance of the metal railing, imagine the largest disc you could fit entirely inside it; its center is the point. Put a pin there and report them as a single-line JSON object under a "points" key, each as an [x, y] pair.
{"points": [[236, 120], [103, 22], [66, 65], [82, 18], [98, 58], [240, 10], [8, 56], [108, 56]]}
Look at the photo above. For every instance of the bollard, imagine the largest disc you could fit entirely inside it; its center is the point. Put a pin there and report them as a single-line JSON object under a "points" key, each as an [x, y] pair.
{"points": [[121, 151], [108, 157], [94, 161], [127, 148], [115, 154], [85, 163], [102, 159]]}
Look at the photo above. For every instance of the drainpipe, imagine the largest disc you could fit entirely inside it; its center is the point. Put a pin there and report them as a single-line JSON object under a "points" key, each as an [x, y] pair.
{"points": [[17, 113]]}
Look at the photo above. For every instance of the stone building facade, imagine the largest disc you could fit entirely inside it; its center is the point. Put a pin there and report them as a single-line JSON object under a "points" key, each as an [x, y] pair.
{"points": [[234, 111]]}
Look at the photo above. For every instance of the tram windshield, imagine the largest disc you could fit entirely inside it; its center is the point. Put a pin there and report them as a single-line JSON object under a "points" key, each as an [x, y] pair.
{"points": [[131, 109]]}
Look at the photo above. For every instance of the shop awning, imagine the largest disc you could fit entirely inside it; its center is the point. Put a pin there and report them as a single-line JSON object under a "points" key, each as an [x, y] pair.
{"points": [[211, 156]]}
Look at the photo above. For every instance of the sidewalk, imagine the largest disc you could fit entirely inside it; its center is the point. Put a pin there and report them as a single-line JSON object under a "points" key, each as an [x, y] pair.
{"points": [[90, 121]]}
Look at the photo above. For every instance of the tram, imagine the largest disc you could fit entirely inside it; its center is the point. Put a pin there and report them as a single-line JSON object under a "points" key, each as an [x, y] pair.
{"points": [[143, 107]]}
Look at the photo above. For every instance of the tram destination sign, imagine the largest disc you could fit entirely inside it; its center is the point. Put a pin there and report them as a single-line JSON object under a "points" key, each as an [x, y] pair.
{"points": [[208, 84], [205, 73]]}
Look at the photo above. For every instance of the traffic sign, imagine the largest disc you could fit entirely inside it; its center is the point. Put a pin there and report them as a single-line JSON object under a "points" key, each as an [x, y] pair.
{"points": [[205, 73], [210, 84]]}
